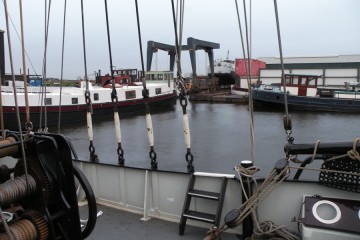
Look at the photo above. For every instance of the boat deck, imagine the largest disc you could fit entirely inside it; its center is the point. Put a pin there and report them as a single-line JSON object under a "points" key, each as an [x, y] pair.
{"points": [[118, 224]]}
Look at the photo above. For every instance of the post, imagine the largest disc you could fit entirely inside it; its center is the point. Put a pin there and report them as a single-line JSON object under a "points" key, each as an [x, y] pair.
{"points": [[247, 223]]}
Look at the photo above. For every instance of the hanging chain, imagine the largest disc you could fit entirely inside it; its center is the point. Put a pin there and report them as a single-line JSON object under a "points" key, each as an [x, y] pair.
{"points": [[145, 93], [93, 155], [182, 96], [114, 97]]}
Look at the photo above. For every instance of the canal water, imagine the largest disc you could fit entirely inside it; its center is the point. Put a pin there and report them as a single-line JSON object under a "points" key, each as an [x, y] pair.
{"points": [[219, 136]]}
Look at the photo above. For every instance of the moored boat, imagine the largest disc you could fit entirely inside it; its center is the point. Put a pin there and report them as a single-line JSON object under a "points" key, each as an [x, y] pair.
{"points": [[303, 93], [224, 70], [73, 105]]}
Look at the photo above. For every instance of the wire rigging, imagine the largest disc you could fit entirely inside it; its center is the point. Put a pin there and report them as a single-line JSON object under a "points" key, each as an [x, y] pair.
{"points": [[145, 93], [27, 109], [180, 81], [23, 158], [114, 97], [18, 35], [93, 155], [43, 92], [248, 76], [287, 117], [62, 66]]}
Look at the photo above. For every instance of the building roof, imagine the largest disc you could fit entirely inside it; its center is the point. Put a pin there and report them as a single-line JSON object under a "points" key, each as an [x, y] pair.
{"points": [[355, 58]]}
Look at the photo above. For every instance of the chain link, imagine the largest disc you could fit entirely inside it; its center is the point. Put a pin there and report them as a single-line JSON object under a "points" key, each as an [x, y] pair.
{"points": [[120, 152], [87, 97], [152, 155], [114, 97], [189, 159], [93, 156]]}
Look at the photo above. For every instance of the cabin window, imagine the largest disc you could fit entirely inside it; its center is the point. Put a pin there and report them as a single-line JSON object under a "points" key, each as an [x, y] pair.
{"points": [[158, 90], [303, 81], [96, 97], [48, 101], [74, 100], [130, 94], [288, 81], [160, 76], [312, 82], [295, 81], [152, 77]]}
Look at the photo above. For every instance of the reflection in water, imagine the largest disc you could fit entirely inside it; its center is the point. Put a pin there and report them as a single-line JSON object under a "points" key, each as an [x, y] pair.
{"points": [[219, 136]]}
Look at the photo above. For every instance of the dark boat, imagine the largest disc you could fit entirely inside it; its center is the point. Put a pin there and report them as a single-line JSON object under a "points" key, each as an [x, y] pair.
{"points": [[303, 93]]}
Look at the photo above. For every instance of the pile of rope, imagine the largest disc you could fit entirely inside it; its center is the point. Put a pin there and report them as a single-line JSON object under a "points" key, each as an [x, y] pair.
{"points": [[267, 229]]}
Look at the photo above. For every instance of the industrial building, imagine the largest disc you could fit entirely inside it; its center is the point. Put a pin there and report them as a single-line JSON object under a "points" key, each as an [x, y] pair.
{"points": [[334, 70]]}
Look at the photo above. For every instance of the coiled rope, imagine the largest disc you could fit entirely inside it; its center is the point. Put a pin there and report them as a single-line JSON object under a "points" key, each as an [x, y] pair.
{"points": [[267, 229], [16, 189]]}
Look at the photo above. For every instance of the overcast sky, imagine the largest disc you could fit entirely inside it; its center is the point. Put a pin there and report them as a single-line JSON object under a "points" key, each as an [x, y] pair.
{"points": [[308, 28]]}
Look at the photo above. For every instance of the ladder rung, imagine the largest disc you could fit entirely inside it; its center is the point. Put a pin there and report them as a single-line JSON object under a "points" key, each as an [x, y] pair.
{"points": [[200, 216], [204, 194]]}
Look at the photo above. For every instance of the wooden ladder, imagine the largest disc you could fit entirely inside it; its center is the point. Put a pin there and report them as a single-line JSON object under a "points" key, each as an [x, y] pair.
{"points": [[213, 218]]}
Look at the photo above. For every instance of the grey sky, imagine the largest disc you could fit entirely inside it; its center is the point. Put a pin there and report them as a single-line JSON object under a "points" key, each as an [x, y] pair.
{"points": [[308, 28]]}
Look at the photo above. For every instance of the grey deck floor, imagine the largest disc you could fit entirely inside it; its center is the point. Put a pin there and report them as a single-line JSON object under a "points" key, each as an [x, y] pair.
{"points": [[117, 224]]}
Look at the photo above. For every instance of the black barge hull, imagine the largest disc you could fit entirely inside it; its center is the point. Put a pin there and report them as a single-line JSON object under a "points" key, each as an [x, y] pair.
{"points": [[273, 100]]}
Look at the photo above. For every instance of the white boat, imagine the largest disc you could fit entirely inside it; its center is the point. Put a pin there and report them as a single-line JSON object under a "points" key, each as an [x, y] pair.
{"points": [[73, 103], [224, 70]]}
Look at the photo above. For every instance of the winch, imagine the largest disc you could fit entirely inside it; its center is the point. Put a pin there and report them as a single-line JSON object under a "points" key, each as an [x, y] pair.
{"points": [[38, 190]]}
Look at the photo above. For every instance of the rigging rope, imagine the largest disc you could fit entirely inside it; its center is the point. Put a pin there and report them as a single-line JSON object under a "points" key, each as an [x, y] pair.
{"points": [[1, 113], [23, 158], [28, 122], [62, 66], [43, 92], [287, 117], [93, 156], [248, 76], [182, 96], [235, 217], [114, 97]]}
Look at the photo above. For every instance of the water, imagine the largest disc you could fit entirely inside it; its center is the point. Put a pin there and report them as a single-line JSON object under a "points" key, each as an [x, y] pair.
{"points": [[219, 136]]}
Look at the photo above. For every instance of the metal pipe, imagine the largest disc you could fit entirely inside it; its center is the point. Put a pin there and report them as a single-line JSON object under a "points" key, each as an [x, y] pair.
{"points": [[322, 148]]}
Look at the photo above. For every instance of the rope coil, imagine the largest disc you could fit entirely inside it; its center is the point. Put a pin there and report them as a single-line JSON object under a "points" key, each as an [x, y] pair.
{"points": [[16, 189], [10, 150]]}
